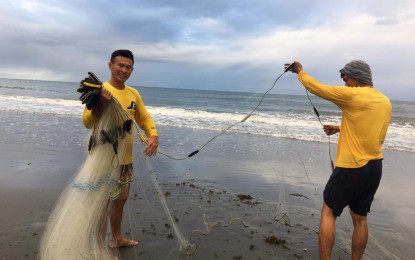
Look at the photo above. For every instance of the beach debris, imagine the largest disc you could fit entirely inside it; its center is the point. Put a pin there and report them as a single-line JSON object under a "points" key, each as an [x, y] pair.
{"points": [[298, 256], [247, 199], [244, 197], [299, 195], [273, 240]]}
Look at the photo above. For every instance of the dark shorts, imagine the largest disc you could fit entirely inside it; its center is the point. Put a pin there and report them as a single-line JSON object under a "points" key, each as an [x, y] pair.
{"points": [[353, 187]]}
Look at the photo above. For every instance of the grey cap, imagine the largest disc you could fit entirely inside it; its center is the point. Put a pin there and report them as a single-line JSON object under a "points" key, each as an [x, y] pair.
{"points": [[358, 70]]}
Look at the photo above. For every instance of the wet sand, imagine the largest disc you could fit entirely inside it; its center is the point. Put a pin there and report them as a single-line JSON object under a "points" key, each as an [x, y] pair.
{"points": [[241, 197]]}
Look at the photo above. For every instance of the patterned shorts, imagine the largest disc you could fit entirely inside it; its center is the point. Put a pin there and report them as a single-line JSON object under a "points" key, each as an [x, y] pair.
{"points": [[126, 177]]}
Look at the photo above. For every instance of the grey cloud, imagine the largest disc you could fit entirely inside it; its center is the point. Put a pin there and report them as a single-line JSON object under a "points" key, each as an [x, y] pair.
{"points": [[226, 43]]}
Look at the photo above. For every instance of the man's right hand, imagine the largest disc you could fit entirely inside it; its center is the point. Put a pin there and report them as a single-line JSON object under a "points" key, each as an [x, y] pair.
{"points": [[106, 94], [105, 98], [297, 67], [331, 129]]}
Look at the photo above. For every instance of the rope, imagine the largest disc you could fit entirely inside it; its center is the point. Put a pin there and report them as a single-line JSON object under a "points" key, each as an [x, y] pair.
{"points": [[143, 139], [318, 117]]}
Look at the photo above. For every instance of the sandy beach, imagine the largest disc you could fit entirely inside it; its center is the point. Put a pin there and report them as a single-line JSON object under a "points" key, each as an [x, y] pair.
{"points": [[242, 197]]}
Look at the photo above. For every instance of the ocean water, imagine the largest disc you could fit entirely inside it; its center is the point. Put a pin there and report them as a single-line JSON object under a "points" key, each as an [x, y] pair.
{"points": [[286, 116]]}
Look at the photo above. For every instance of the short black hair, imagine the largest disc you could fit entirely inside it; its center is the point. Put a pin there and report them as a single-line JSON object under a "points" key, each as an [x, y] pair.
{"points": [[123, 53]]}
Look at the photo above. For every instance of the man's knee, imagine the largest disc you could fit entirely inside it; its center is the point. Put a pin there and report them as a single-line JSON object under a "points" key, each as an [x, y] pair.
{"points": [[358, 220], [123, 195], [327, 212]]}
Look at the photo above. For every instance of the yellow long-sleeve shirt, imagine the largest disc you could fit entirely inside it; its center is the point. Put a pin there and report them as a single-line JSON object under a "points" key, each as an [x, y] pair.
{"points": [[131, 101], [365, 120]]}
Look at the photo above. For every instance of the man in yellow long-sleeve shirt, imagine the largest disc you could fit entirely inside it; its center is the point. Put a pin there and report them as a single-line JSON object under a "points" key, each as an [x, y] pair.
{"points": [[366, 114], [121, 66]]}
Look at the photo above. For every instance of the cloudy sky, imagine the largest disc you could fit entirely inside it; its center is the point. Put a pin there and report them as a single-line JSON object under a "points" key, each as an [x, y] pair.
{"points": [[235, 45]]}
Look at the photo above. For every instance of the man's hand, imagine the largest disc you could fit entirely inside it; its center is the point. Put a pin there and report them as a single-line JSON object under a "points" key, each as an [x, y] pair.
{"points": [[152, 144], [296, 68], [105, 98], [105, 94], [331, 129]]}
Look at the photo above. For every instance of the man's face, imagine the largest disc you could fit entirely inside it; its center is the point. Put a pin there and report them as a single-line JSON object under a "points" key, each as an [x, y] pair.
{"points": [[350, 82], [121, 68]]}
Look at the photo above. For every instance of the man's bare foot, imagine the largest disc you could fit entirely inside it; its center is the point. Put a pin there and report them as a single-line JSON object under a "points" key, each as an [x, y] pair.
{"points": [[123, 242]]}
